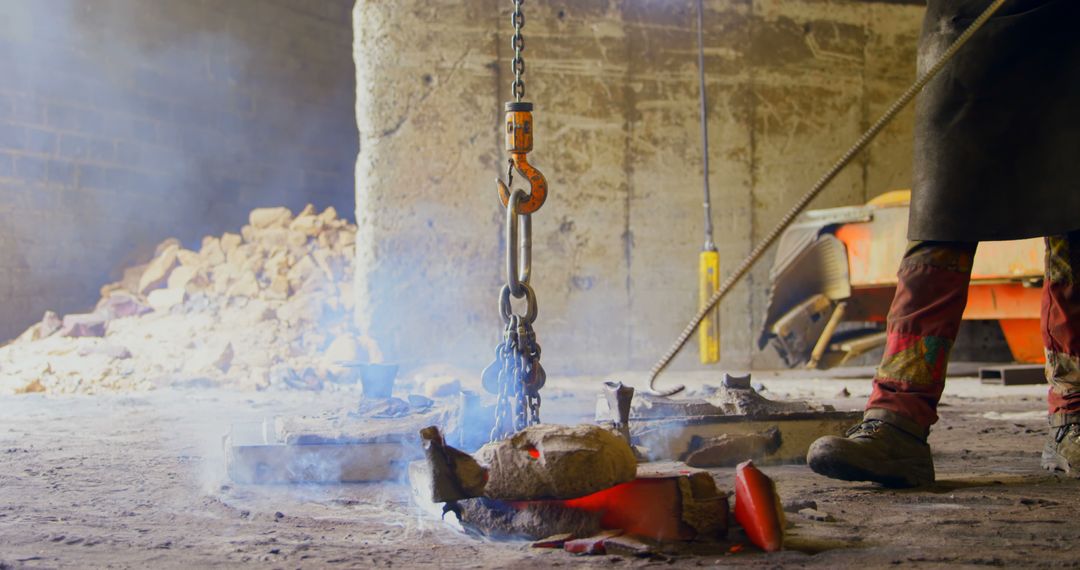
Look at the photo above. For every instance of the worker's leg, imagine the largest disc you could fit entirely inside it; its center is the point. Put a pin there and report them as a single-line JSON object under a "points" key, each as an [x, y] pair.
{"points": [[1061, 337], [931, 294], [889, 445]]}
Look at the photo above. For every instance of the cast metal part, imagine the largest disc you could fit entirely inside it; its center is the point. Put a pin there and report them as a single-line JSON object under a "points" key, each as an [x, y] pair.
{"points": [[864, 140]]}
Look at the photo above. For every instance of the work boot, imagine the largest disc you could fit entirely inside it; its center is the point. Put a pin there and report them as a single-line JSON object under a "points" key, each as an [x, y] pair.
{"points": [[1062, 451], [876, 450]]}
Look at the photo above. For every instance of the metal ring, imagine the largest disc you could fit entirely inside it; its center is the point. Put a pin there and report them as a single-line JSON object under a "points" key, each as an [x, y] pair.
{"points": [[506, 310], [513, 240], [525, 252]]}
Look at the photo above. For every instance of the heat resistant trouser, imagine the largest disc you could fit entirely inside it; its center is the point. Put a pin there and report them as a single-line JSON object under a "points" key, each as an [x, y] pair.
{"points": [[925, 316]]}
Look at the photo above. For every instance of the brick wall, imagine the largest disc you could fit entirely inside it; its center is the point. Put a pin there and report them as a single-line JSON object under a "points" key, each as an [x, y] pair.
{"points": [[123, 122]]}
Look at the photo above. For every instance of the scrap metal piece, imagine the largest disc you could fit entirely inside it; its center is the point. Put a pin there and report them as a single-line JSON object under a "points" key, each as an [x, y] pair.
{"points": [[620, 397], [455, 475], [1013, 374], [798, 331], [728, 450]]}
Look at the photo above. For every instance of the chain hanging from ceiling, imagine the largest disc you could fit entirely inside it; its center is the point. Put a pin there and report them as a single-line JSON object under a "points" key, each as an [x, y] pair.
{"points": [[516, 375]]}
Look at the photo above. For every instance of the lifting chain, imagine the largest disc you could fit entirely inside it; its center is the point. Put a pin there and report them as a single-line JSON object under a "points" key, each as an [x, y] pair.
{"points": [[517, 41], [516, 375]]}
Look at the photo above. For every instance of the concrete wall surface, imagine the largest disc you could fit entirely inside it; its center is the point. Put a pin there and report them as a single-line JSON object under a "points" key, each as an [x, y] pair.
{"points": [[124, 122], [790, 83]]}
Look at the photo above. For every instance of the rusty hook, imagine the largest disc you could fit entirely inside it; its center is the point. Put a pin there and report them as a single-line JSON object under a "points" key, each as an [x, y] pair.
{"points": [[519, 141]]}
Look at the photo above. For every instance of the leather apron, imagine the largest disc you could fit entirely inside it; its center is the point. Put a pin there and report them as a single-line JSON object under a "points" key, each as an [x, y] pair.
{"points": [[997, 133]]}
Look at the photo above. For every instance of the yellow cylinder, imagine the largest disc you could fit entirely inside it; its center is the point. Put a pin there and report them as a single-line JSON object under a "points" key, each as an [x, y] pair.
{"points": [[709, 331]]}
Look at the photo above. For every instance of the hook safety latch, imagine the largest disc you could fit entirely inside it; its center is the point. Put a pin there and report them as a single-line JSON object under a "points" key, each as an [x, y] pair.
{"points": [[519, 141]]}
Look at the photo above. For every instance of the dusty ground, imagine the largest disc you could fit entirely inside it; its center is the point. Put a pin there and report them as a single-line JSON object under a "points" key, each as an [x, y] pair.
{"points": [[137, 481]]}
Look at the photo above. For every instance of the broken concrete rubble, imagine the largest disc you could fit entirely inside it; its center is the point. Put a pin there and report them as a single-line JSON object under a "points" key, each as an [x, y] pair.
{"points": [[269, 217], [89, 324], [157, 272], [111, 350], [232, 290], [50, 323], [161, 300], [119, 304]]}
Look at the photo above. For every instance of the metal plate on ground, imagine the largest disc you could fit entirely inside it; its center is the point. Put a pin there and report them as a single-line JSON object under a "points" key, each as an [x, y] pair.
{"points": [[255, 453], [674, 429]]}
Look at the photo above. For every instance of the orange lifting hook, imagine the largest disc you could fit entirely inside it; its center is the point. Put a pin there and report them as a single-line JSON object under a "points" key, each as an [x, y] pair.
{"points": [[519, 141]]}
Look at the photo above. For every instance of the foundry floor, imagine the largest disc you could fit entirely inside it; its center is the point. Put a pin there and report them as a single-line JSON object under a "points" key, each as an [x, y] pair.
{"points": [[137, 481]]}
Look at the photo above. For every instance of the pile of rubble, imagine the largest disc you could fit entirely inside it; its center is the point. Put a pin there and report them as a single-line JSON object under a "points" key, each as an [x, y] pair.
{"points": [[268, 307]]}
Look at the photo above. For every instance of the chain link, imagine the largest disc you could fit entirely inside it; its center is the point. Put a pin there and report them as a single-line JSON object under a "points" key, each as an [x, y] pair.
{"points": [[517, 42]]}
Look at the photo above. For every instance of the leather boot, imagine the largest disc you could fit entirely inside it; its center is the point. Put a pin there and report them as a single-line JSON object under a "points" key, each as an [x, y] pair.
{"points": [[884, 448], [1062, 451]]}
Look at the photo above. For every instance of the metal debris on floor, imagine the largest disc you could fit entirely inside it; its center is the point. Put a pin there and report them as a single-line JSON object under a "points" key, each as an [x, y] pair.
{"points": [[722, 426]]}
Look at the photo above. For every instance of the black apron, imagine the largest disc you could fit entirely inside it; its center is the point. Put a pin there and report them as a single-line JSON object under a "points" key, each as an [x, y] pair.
{"points": [[997, 132]]}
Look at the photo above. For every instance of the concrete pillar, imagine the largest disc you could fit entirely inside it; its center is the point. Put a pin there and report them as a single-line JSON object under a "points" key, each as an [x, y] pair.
{"points": [[428, 115]]}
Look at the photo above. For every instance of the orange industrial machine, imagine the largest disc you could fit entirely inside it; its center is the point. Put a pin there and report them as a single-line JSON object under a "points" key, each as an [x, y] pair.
{"points": [[835, 274]]}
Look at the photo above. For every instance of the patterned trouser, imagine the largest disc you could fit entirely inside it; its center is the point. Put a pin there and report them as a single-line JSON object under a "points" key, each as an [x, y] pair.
{"points": [[925, 316]]}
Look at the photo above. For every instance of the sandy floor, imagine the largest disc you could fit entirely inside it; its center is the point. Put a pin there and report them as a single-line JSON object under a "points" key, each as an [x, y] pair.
{"points": [[137, 481]]}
